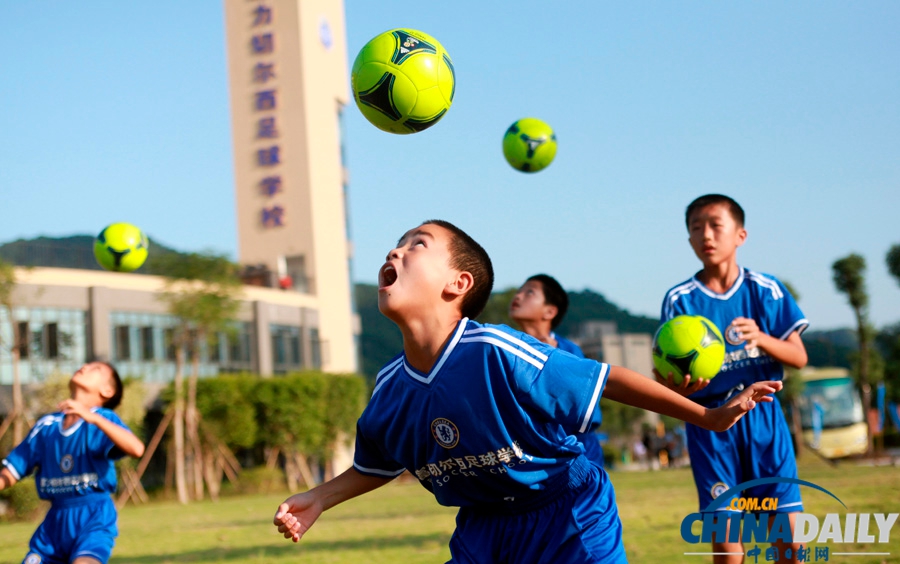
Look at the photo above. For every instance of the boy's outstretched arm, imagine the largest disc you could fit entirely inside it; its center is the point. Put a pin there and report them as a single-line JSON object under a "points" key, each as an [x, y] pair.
{"points": [[298, 513], [124, 439], [7, 480], [629, 387]]}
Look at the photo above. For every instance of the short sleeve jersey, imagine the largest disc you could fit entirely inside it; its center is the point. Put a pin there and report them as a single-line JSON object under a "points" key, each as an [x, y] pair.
{"points": [[492, 422], [69, 462], [753, 295]]}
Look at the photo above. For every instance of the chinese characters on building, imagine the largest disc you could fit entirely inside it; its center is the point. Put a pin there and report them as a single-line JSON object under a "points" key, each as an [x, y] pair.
{"points": [[268, 155]]}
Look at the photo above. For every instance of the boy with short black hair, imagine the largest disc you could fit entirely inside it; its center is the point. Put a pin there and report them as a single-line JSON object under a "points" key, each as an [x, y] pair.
{"points": [[761, 324], [538, 308], [484, 417], [72, 453]]}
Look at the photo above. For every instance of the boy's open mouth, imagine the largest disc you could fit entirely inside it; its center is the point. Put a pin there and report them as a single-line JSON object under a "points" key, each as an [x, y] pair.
{"points": [[387, 276]]}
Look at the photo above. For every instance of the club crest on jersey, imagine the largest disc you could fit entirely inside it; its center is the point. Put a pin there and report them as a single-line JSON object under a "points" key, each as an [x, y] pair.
{"points": [[445, 432], [718, 489], [733, 336], [66, 463], [32, 559]]}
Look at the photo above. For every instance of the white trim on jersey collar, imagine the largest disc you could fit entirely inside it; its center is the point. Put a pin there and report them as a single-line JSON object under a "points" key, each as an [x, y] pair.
{"points": [[734, 287], [68, 432], [386, 374], [437, 367]]}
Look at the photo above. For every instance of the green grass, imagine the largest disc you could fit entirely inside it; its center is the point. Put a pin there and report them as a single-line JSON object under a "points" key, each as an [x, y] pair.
{"points": [[401, 523]]}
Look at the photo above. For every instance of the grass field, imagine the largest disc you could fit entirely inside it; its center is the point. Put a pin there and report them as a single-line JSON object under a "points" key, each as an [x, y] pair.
{"points": [[401, 523]]}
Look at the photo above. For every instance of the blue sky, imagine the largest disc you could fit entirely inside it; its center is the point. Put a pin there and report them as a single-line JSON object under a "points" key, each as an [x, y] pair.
{"points": [[119, 111]]}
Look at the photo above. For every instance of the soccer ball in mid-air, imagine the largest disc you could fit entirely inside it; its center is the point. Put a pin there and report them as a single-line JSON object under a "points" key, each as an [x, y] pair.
{"points": [[529, 145], [121, 247], [403, 81], [688, 344]]}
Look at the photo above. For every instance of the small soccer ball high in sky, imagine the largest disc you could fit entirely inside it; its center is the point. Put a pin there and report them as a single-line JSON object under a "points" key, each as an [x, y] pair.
{"points": [[121, 247], [403, 81], [529, 145], [688, 344]]}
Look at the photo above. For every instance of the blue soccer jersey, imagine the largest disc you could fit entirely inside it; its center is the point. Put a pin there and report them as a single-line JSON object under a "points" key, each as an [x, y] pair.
{"points": [[759, 444], [491, 425], [753, 295], [68, 463], [73, 469]]}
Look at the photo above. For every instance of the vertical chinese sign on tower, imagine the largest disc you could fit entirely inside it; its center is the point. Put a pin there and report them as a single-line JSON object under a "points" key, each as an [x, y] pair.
{"points": [[265, 106]]}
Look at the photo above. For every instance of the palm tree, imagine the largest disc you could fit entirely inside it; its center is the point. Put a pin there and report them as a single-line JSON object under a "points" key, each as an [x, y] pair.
{"points": [[849, 279]]}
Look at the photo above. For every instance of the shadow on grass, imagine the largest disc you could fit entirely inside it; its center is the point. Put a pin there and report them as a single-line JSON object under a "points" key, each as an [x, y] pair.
{"points": [[288, 549]]}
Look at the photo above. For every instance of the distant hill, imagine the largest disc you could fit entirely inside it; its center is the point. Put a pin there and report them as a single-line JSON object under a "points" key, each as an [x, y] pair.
{"points": [[76, 251], [588, 304], [831, 348], [380, 339]]}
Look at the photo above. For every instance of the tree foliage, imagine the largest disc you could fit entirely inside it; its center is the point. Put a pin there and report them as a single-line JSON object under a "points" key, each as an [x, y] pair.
{"points": [[497, 309], [849, 279], [201, 290], [226, 405], [893, 261]]}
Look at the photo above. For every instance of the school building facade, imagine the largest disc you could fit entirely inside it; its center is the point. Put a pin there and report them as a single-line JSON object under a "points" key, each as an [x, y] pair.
{"points": [[66, 317]]}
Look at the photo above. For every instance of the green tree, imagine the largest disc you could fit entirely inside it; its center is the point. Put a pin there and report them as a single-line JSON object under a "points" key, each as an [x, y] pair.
{"points": [[7, 287], [497, 309], [893, 261], [201, 292], [292, 412], [889, 338], [849, 279]]}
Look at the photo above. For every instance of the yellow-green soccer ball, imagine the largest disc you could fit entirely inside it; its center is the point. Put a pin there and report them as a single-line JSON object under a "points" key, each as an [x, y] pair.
{"points": [[403, 81], [529, 145], [121, 247], [688, 344]]}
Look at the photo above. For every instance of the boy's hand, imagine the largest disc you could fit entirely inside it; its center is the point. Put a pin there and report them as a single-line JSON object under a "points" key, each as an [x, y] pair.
{"points": [[71, 406], [748, 330], [723, 417], [685, 388], [296, 515]]}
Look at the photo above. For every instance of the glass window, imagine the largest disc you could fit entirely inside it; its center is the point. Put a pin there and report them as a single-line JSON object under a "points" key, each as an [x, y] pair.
{"points": [[123, 343], [287, 351], [296, 271], [51, 340], [169, 335], [294, 340], [147, 352], [278, 352], [23, 339]]}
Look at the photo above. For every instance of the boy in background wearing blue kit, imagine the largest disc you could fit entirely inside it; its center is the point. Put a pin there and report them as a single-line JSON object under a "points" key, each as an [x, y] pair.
{"points": [[72, 454], [485, 417], [761, 324], [538, 308]]}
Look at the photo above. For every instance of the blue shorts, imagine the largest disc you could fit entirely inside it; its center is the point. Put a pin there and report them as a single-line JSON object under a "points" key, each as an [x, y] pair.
{"points": [[84, 526], [757, 446], [580, 526]]}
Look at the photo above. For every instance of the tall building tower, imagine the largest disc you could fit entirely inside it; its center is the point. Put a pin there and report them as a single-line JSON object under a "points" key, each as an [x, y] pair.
{"points": [[287, 66]]}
